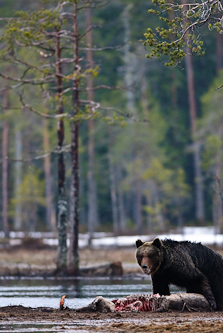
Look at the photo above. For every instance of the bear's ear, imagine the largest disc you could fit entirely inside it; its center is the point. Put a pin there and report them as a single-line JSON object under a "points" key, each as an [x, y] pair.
{"points": [[139, 243], [157, 242]]}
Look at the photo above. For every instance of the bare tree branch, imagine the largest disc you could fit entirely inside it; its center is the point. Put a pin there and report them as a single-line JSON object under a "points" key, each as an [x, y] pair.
{"points": [[65, 149], [44, 115]]}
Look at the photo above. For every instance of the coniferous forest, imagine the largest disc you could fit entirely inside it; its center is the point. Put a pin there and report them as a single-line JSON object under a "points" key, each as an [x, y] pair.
{"points": [[97, 137]]}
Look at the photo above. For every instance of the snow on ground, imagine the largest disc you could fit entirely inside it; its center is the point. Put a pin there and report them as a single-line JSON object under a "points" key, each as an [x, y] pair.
{"points": [[205, 235]]}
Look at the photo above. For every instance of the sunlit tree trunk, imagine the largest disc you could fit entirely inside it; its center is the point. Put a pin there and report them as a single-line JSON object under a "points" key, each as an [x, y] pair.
{"points": [[5, 151], [92, 196]]}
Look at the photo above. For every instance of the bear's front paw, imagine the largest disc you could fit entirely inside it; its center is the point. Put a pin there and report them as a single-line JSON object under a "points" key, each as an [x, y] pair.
{"points": [[213, 305]]}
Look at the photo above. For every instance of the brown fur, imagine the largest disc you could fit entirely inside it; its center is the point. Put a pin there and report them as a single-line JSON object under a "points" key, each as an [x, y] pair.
{"points": [[192, 266]]}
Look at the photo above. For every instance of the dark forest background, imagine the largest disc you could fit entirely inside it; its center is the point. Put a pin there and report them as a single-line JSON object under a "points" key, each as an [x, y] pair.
{"points": [[154, 151]]}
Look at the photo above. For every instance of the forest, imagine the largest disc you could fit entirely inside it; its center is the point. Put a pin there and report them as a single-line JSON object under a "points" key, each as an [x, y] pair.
{"points": [[96, 136]]}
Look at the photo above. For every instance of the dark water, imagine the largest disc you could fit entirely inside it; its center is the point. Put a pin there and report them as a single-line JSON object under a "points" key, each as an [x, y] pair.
{"points": [[79, 292]]}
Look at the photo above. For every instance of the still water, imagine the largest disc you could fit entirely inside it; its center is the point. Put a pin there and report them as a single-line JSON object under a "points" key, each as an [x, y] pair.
{"points": [[47, 293], [79, 292]]}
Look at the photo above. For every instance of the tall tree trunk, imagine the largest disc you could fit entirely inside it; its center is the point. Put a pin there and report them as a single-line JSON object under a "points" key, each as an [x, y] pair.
{"points": [[62, 201], [92, 196], [197, 167], [50, 212], [121, 205], [18, 179], [5, 151], [219, 52], [74, 214], [159, 218], [114, 201], [130, 65], [217, 206], [139, 221], [149, 219], [128, 77], [199, 197]]}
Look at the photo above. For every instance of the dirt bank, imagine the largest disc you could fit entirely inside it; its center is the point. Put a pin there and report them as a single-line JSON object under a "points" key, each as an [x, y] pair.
{"points": [[31, 261]]}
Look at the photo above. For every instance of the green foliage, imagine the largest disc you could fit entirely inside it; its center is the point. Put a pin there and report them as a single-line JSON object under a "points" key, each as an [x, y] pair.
{"points": [[212, 147], [151, 153], [177, 31], [170, 184], [210, 126]]}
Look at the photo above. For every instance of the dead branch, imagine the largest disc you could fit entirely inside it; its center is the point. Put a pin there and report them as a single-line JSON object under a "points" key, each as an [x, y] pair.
{"points": [[57, 150], [44, 115]]}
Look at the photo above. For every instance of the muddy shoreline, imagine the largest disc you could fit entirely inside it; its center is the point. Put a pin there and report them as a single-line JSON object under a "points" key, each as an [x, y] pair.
{"points": [[31, 262], [114, 322]]}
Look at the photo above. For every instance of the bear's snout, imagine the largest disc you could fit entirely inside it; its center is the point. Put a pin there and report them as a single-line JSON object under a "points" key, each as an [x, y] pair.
{"points": [[145, 269], [145, 265]]}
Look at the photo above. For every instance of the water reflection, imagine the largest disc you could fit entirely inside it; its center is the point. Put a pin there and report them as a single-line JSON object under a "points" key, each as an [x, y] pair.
{"points": [[79, 292]]}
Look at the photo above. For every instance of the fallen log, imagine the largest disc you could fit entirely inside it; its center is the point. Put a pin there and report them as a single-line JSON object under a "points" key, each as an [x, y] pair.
{"points": [[109, 269], [143, 302]]}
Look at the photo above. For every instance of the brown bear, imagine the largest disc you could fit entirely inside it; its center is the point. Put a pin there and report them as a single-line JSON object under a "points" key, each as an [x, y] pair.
{"points": [[185, 264]]}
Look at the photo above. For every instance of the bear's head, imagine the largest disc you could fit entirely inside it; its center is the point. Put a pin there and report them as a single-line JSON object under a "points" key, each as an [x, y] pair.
{"points": [[149, 255]]}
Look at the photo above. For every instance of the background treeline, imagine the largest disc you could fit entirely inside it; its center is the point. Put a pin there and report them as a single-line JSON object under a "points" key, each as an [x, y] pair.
{"points": [[157, 168]]}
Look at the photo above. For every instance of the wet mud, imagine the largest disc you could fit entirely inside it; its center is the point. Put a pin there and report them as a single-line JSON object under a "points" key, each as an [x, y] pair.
{"points": [[69, 319]]}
